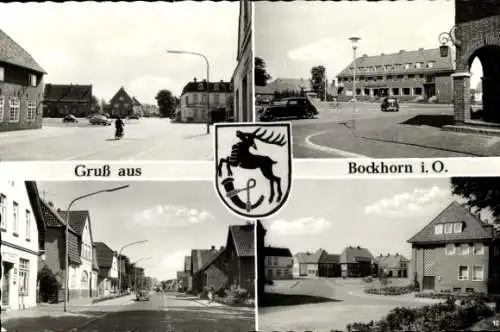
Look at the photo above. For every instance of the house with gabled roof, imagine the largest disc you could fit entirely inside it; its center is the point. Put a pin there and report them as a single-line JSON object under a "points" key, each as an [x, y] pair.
{"points": [[279, 263], [83, 267], [214, 271], [356, 262], [107, 260], [137, 108], [21, 87], [306, 264], [456, 251], [407, 75], [240, 257], [121, 104], [60, 100], [200, 261], [393, 265], [329, 265]]}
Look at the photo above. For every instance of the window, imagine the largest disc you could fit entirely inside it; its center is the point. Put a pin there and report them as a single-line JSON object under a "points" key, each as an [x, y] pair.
{"points": [[2, 73], [450, 249], [464, 249], [121, 98], [126, 105], [419, 65], [85, 277], [408, 65], [3, 211], [395, 91], [411, 76], [431, 64], [33, 80], [438, 229], [388, 67], [478, 249], [24, 268], [31, 110], [463, 272], [477, 273], [2, 108], [417, 91], [276, 261], [15, 109], [496, 251], [216, 87], [406, 91], [15, 217], [457, 227], [448, 228], [115, 105], [28, 225]]}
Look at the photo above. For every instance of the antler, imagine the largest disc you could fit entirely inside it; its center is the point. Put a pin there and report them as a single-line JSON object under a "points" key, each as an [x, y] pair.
{"points": [[278, 140]]}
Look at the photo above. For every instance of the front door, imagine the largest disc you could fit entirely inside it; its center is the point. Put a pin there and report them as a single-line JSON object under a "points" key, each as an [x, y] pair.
{"points": [[428, 283], [7, 267]]}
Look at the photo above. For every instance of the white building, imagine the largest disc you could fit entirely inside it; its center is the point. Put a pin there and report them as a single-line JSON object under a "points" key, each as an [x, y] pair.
{"points": [[21, 222], [278, 263], [107, 260], [243, 74]]}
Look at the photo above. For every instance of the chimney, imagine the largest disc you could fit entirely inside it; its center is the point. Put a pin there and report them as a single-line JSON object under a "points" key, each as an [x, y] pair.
{"points": [[195, 80], [212, 248], [397, 254], [50, 204]]}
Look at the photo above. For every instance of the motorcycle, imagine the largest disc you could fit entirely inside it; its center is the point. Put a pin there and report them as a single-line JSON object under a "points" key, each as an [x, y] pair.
{"points": [[118, 134]]}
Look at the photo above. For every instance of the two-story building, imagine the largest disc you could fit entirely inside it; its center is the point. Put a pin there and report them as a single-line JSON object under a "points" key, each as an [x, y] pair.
{"points": [[278, 263], [21, 87], [240, 257], [356, 262], [243, 74], [107, 260], [407, 75], [121, 105], [22, 243], [393, 265], [456, 251], [306, 264], [60, 100], [193, 101]]}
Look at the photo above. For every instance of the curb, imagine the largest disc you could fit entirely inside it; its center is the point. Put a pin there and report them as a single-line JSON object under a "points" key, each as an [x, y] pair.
{"points": [[341, 153], [90, 321]]}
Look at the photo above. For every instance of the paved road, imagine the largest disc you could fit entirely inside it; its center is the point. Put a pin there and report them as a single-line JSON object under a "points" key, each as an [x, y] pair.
{"points": [[145, 139], [164, 312], [350, 305], [338, 123]]}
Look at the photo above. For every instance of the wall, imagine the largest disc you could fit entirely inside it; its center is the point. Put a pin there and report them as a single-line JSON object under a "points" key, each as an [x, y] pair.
{"points": [[14, 247]]}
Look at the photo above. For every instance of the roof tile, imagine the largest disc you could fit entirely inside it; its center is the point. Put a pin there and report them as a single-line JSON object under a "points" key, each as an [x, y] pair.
{"points": [[11, 52]]}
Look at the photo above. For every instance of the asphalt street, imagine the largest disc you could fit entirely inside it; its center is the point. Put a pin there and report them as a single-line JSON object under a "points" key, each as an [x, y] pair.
{"points": [[145, 139], [164, 312], [338, 124]]}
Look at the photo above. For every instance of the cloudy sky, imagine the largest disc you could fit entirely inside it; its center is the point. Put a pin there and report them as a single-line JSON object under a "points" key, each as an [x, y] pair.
{"points": [[380, 215], [111, 45], [174, 217], [292, 37]]}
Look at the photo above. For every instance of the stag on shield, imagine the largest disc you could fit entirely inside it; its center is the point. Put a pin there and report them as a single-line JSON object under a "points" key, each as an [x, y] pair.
{"points": [[243, 158]]}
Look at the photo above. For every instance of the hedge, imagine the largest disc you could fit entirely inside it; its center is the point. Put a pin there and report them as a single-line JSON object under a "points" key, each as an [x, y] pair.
{"points": [[392, 290], [459, 296]]}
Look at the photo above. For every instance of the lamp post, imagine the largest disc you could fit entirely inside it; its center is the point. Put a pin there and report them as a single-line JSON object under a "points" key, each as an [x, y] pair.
{"points": [[354, 41], [135, 270], [119, 263], [208, 80], [66, 254], [445, 38]]}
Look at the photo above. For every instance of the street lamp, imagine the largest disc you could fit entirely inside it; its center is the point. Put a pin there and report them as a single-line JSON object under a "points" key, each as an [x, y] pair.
{"points": [[119, 263], [208, 80], [445, 38], [66, 270], [135, 270], [354, 41]]}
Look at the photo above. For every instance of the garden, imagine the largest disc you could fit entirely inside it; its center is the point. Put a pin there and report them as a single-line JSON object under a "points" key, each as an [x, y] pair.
{"points": [[234, 296]]}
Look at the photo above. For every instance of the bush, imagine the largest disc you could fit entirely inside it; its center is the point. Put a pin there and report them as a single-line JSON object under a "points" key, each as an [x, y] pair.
{"points": [[393, 290], [445, 294], [236, 295], [49, 286]]}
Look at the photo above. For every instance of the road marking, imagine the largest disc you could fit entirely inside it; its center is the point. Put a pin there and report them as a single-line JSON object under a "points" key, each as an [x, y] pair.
{"points": [[327, 149], [148, 150], [90, 321]]}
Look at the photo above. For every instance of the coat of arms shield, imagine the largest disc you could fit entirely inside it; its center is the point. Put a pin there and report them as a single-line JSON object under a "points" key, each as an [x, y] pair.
{"points": [[253, 167]]}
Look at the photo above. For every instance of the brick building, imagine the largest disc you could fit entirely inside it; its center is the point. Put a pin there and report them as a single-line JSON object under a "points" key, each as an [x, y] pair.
{"points": [[408, 75], [477, 35], [206, 269], [21, 87], [456, 251], [64, 99], [121, 104], [356, 262], [240, 257]]}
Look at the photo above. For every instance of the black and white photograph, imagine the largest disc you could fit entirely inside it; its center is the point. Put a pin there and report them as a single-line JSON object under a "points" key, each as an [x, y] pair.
{"points": [[397, 79], [122, 80], [124, 256], [382, 255]]}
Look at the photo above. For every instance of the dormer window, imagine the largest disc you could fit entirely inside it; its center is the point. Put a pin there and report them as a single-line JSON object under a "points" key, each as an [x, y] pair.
{"points": [[419, 65], [457, 227], [2, 74], [407, 66], [448, 229], [438, 229]]}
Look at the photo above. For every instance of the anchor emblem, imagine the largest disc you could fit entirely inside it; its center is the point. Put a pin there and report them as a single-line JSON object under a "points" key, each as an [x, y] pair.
{"points": [[273, 166]]}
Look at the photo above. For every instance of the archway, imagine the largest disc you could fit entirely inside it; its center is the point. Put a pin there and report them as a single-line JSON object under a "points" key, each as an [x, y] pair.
{"points": [[489, 58]]}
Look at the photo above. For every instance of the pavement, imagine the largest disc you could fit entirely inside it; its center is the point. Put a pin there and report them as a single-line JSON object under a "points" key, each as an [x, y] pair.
{"points": [[163, 312], [348, 304], [152, 139], [413, 132]]}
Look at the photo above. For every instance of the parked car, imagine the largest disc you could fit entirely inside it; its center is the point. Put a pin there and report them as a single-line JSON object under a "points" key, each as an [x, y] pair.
{"points": [[143, 296], [296, 107], [70, 118], [100, 120], [133, 117], [389, 104]]}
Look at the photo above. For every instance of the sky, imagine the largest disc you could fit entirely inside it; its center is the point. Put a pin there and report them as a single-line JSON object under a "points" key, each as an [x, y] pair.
{"points": [[174, 217], [292, 37], [110, 45], [378, 214]]}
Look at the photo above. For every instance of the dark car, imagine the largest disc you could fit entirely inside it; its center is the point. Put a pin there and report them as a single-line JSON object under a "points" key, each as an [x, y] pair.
{"points": [[70, 118], [142, 296], [297, 107], [389, 105], [100, 120]]}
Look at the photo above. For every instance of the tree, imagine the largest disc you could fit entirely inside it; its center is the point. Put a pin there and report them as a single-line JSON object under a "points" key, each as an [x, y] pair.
{"points": [[480, 192], [318, 80], [261, 74], [95, 107], [166, 103]]}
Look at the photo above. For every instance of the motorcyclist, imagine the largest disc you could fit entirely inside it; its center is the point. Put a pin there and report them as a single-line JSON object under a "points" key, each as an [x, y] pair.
{"points": [[119, 127]]}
